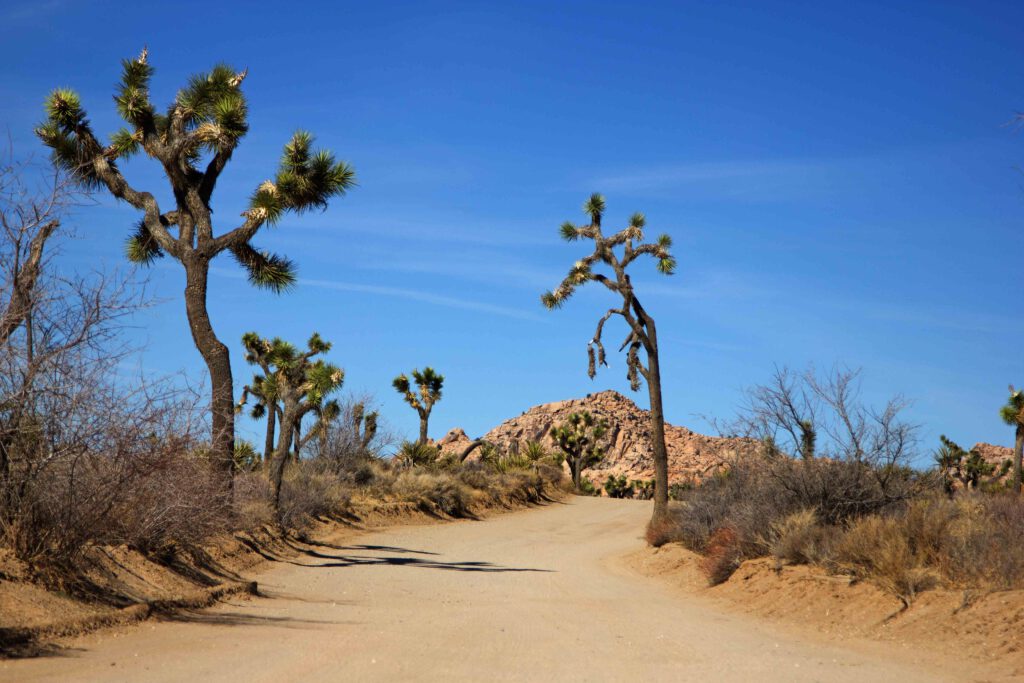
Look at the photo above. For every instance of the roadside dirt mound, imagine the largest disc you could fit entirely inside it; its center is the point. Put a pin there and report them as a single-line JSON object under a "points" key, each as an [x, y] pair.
{"points": [[978, 624], [691, 456]]}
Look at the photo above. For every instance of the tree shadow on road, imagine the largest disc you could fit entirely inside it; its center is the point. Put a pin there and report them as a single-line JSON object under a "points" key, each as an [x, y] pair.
{"points": [[245, 619], [399, 557]]}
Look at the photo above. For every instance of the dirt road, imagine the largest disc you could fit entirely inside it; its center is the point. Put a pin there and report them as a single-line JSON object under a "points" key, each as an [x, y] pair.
{"points": [[536, 595]]}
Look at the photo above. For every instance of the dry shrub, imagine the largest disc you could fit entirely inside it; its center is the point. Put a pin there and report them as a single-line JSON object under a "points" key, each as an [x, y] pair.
{"points": [[877, 548], [252, 507], [180, 500], [308, 494], [800, 539], [664, 530], [722, 556]]}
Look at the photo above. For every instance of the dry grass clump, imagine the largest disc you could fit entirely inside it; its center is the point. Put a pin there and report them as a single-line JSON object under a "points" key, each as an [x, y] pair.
{"points": [[879, 548], [799, 538], [434, 493]]}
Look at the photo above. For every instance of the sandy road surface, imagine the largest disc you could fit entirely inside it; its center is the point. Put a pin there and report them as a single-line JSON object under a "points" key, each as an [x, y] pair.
{"points": [[535, 595]]}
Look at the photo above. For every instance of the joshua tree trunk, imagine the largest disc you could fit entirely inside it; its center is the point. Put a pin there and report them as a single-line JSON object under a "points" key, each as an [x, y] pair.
{"points": [[653, 378], [268, 445], [218, 362], [1018, 452], [575, 472], [281, 453], [424, 416], [657, 433]]}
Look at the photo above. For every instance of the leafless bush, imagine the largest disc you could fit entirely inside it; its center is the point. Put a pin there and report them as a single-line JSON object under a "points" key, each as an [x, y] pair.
{"points": [[822, 415], [344, 448], [87, 456]]}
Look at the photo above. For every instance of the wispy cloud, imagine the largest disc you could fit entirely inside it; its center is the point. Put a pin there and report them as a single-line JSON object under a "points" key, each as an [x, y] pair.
{"points": [[425, 297], [748, 179], [402, 293], [31, 11]]}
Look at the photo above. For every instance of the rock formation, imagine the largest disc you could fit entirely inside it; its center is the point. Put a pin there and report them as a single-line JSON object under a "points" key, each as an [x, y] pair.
{"points": [[692, 456]]}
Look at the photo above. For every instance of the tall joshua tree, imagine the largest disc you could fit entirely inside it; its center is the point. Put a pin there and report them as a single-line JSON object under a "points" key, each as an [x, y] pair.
{"points": [[1013, 414], [616, 253], [302, 386], [428, 392], [193, 141], [579, 438]]}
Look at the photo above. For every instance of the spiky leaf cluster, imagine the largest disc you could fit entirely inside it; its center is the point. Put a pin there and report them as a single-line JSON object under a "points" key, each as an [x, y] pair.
{"points": [[1013, 412], [428, 388]]}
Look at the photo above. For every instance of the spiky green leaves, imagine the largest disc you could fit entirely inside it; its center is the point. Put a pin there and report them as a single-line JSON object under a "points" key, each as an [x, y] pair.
{"points": [[401, 384], [142, 247], [307, 179], [667, 265], [594, 207], [64, 109], [321, 379], [124, 143], [132, 96], [318, 344], [1013, 412], [569, 232], [558, 297], [429, 384], [66, 133], [266, 270]]}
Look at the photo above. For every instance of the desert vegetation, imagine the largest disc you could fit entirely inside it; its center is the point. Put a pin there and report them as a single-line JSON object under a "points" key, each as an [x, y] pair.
{"points": [[851, 504]]}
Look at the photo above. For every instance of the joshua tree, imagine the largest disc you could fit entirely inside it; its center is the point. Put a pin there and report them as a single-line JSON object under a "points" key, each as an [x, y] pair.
{"points": [[193, 142], [1013, 414], [580, 438], [302, 385], [364, 425], [428, 384], [642, 333]]}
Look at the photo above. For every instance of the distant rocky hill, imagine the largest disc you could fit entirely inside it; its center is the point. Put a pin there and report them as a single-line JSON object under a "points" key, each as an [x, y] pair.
{"points": [[691, 456], [996, 456]]}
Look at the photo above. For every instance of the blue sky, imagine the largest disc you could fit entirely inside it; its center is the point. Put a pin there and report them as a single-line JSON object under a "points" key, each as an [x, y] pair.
{"points": [[840, 180]]}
